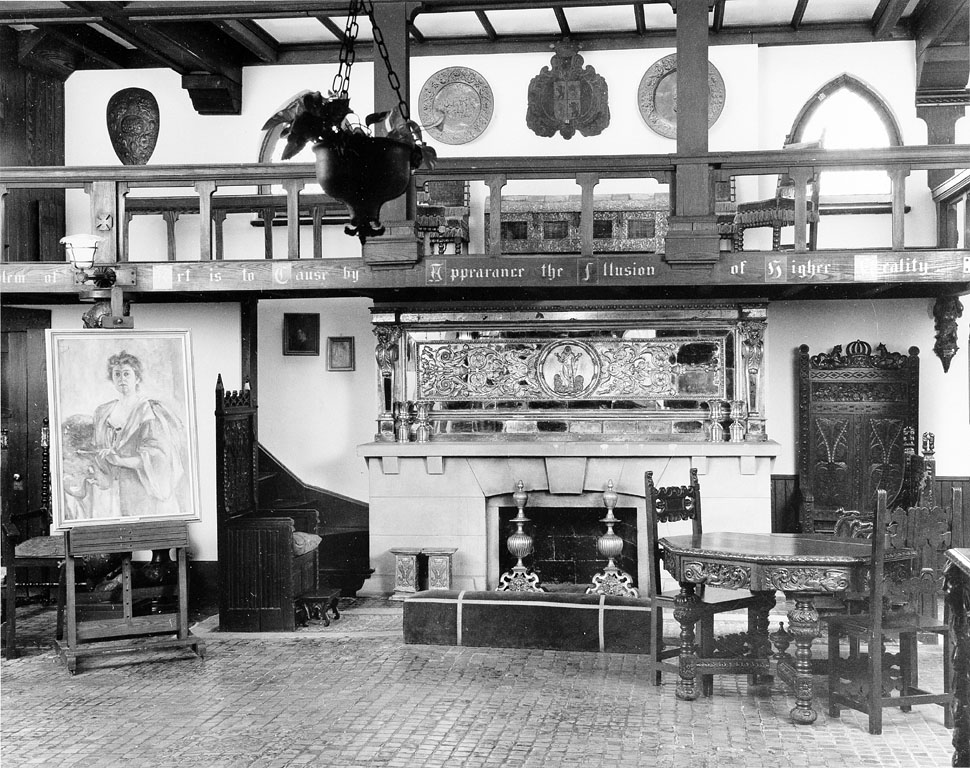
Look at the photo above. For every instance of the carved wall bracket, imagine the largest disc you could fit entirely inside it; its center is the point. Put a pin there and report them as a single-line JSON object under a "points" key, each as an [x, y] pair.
{"points": [[946, 311]]}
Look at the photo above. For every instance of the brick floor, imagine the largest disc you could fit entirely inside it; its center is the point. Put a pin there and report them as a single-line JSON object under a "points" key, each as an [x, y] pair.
{"points": [[354, 695]]}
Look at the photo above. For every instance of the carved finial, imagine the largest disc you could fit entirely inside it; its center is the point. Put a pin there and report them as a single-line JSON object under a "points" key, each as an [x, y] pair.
{"points": [[609, 496]]}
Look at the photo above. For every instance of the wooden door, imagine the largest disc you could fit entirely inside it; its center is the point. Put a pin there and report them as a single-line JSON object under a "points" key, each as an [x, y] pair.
{"points": [[23, 407]]}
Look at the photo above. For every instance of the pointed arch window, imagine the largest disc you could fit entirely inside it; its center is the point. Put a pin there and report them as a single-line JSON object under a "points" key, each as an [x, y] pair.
{"points": [[846, 113]]}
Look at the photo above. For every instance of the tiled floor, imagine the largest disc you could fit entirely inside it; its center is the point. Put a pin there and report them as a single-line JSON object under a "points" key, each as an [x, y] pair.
{"points": [[354, 695]]}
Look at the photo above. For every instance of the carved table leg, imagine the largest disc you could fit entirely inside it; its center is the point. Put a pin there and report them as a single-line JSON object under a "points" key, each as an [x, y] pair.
{"points": [[957, 591], [686, 612], [804, 624], [758, 634]]}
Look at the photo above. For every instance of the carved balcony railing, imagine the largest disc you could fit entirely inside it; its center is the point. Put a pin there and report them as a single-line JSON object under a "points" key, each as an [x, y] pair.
{"points": [[219, 190]]}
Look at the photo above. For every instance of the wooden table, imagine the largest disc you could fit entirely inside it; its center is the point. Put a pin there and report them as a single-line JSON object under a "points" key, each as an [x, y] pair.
{"points": [[800, 565], [957, 591]]}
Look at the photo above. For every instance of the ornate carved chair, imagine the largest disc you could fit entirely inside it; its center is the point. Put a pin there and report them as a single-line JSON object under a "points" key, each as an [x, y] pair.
{"points": [[267, 558], [669, 505], [858, 413], [879, 678], [779, 211]]}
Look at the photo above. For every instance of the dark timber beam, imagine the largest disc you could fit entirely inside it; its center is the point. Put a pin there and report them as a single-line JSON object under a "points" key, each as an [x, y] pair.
{"points": [[561, 19], [799, 14], [887, 16], [252, 37], [98, 48], [639, 18], [490, 32], [718, 24], [333, 28]]}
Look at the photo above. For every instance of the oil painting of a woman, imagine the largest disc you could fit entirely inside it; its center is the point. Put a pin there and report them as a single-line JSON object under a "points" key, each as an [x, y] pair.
{"points": [[130, 455]]}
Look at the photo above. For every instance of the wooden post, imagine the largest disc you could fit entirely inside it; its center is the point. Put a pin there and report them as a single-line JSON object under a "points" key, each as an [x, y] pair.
{"points": [[392, 18], [293, 187], [104, 214], [587, 182], [205, 190], [495, 183], [692, 239]]}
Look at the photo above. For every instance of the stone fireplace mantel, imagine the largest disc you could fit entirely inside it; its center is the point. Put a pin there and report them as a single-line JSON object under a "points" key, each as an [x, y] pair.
{"points": [[448, 493]]}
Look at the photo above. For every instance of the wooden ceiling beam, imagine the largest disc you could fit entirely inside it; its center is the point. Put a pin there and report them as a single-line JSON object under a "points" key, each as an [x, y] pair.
{"points": [[799, 15], [887, 16], [640, 19], [561, 20], [490, 32], [718, 23], [92, 44], [252, 37], [939, 22], [333, 28], [861, 32]]}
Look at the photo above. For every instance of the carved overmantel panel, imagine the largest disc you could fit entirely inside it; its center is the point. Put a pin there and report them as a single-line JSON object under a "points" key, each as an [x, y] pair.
{"points": [[620, 372]]}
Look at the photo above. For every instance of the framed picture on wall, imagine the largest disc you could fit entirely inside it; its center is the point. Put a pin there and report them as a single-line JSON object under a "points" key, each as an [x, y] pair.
{"points": [[301, 333], [123, 436], [340, 353]]}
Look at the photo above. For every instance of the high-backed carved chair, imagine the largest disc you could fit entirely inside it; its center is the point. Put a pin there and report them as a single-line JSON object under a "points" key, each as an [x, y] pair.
{"points": [[880, 678], [267, 558], [670, 505], [780, 211], [855, 409]]}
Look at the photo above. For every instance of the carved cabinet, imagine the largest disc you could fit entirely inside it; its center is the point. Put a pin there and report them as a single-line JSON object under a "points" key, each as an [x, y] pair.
{"points": [[854, 407]]}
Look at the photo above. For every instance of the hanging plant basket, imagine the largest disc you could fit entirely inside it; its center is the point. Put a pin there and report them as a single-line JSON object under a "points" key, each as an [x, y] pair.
{"points": [[364, 172], [361, 170]]}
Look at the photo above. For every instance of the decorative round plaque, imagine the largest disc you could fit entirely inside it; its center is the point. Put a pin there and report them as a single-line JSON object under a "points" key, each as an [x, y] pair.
{"points": [[657, 96], [133, 119], [455, 105], [568, 369]]}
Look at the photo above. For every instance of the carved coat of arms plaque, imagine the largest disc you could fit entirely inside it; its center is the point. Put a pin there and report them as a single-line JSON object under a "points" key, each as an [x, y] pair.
{"points": [[568, 97]]}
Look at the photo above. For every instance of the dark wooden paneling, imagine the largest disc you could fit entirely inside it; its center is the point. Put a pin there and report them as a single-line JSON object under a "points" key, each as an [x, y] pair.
{"points": [[31, 133], [784, 498]]}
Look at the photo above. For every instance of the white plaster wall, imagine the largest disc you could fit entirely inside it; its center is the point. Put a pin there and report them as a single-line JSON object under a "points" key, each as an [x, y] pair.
{"points": [[214, 351], [899, 324], [312, 419]]}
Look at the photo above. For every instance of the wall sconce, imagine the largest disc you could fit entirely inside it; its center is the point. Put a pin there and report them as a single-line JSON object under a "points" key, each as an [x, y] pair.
{"points": [[80, 251]]}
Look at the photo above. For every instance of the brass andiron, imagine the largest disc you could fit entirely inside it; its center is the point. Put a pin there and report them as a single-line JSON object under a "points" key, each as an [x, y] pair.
{"points": [[611, 580], [519, 579]]}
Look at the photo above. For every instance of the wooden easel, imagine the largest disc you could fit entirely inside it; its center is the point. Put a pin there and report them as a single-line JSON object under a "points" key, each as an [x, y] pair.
{"points": [[126, 632]]}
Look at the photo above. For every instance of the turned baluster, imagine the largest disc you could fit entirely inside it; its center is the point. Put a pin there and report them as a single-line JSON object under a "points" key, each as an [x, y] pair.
{"points": [[717, 416]]}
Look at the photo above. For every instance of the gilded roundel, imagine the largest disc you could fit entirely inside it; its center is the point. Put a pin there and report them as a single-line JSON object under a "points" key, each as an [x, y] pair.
{"points": [[455, 105], [568, 369], [657, 96]]}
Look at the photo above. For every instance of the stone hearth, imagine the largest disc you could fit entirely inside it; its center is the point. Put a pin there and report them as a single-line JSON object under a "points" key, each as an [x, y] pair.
{"points": [[448, 494]]}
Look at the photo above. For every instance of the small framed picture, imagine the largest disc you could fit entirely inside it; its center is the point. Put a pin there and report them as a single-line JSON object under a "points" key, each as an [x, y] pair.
{"points": [[340, 353], [301, 334]]}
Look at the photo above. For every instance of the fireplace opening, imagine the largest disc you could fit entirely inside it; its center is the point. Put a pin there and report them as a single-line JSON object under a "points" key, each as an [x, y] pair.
{"points": [[564, 543]]}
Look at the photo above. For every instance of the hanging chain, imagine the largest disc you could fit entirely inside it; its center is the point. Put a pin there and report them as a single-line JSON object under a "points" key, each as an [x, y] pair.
{"points": [[341, 81], [392, 77]]}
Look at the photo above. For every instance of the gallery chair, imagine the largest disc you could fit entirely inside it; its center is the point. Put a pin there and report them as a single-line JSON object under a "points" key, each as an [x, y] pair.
{"points": [[888, 676], [670, 505]]}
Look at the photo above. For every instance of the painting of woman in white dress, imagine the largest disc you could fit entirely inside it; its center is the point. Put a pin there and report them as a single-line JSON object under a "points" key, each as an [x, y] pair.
{"points": [[123, 427]]}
